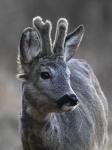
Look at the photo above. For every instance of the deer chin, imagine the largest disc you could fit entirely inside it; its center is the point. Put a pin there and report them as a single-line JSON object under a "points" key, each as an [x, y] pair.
{"points": [[67, 107]]}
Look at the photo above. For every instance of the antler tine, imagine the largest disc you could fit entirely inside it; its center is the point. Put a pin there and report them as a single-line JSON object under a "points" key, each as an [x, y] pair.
{"points": [[44, 29], [61, 32]]}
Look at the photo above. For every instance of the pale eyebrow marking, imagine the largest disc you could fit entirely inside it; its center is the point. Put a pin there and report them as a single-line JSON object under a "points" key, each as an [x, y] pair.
{"points": [[47, 68]]}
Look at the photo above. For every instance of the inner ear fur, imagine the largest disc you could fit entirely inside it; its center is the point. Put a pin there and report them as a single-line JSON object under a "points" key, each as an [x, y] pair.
{"points": [[73, 41], [29, 49]]}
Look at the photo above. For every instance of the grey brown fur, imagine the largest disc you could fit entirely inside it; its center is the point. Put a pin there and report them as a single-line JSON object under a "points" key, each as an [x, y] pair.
{"points": [[49, 74]]}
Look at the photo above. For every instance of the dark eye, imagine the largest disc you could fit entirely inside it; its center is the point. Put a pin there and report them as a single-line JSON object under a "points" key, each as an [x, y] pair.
{"points": [[45, 75]]}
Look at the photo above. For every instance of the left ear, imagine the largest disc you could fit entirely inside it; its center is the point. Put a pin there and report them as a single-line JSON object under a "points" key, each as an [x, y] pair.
{"points": [[72, 42]]}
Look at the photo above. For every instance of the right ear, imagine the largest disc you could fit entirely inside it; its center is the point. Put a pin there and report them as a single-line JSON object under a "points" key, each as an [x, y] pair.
{"points": [[72, 42], [28, 50]]}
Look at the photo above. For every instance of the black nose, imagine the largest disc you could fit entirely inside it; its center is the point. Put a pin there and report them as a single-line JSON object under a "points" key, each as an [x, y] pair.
{"points": [[70, 100], [73, 99]]}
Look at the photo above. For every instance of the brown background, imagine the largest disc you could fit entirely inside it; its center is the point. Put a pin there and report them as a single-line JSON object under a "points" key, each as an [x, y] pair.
{"points": [[96, 48]]}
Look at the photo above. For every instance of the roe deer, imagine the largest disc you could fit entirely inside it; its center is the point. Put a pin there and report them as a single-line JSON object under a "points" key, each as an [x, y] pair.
{"points": [[63, 106]]}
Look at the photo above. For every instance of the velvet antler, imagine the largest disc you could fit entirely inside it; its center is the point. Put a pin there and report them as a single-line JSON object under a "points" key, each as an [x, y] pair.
{"points": [[44, 30], [61, 32]]}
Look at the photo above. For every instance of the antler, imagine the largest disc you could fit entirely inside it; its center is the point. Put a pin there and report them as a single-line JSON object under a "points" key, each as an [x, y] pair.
{"points": [[61, 32], [44, 30]]}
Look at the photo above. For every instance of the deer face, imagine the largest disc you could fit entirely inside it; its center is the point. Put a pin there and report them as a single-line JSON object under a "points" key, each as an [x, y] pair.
{"points": [[44, 67]]}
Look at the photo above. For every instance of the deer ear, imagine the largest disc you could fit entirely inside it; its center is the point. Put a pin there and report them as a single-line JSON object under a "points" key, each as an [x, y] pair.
{"points": [[29, 45], [28, 50], [72, 41]]}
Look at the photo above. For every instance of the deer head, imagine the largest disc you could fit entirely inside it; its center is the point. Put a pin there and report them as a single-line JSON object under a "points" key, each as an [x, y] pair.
{"points": [[43, 65]]}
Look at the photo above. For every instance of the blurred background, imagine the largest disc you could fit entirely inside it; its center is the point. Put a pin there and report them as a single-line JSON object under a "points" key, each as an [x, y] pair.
{"points": [[96, 48]]}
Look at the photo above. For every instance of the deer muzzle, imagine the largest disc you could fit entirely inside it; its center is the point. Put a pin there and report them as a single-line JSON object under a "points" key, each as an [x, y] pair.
{"points": [[67, 102]]}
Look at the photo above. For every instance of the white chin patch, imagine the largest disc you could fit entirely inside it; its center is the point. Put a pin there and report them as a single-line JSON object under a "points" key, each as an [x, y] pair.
{"points": [[68, 108]]}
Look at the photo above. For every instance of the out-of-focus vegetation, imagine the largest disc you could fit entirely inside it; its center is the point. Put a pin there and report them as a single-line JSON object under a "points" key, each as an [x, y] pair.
{"points": [[96, 48]]}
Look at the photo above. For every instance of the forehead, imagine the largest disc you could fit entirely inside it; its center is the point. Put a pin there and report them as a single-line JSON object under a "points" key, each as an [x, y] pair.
{"points": [[58, 65], [53, 62]]}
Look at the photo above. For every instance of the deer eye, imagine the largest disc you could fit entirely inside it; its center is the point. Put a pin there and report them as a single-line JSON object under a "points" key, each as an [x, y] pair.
{"points": [[45, 75]]}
